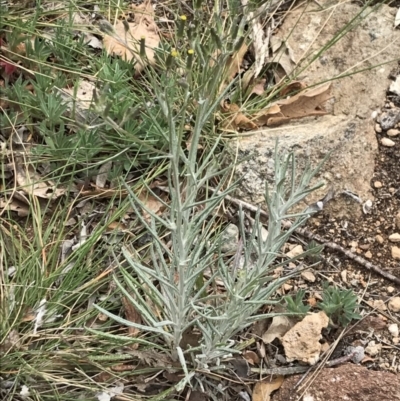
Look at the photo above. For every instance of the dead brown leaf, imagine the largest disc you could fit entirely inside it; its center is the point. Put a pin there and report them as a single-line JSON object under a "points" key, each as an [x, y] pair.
{"points": [[258, 88], [151, 203], [101, 178], [234, 63], [126, 43], [295, 86], [263, 389], [307, 103], [16, 206], [282, 55], [251, 357], [133, 316], [236, 119], [33, 184], [116, 226]]}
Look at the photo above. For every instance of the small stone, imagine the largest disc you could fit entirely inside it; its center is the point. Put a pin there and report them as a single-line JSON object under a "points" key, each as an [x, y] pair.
{"points": [[229, 239], [379, 239], [397, 220], [296, 251], [395, 340], [343, 275], [394, 329], [378, 128], [396, 252], [373, 349], [389, 119], [358, 351], [394, 304], [368, 255], [390, 289], [387, 142], [377, 304], [308, 276], [377, 184], [394, 237], [374, 114], [393, 132]]}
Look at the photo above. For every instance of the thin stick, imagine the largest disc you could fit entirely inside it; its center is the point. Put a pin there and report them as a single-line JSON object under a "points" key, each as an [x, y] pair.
{"points": [[308, 234]]}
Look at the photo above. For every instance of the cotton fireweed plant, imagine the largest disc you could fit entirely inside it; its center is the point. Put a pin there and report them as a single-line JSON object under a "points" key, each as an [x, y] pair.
{"points": [[177, 291]]}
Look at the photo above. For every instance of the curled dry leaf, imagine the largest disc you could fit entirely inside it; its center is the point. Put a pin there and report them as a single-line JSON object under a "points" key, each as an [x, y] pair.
{"points": [[133, 316], [282, 55], [234, 62], [32, 183], [101, 178], [125, 40], [307, 103], [263, 389], [151, 203], [251, 357], [295, 86], [236, 119], [15, 206]]}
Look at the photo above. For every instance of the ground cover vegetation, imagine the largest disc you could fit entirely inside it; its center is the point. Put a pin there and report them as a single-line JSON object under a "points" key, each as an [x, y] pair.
{"points": [[116, 174]]}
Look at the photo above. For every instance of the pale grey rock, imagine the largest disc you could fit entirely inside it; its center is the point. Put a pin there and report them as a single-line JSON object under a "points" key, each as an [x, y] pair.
{"points": [[389, 119], [349, 131], [229, 239]]}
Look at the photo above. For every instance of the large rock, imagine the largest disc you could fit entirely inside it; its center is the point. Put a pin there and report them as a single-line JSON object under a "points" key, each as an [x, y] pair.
{"points": [[349, 131], [345, 382]]}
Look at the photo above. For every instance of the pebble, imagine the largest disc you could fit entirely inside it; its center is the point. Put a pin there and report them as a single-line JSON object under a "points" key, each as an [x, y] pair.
{"points": [[377, 304], [387, 142], [393, 132], [389, 119], [379, 239], [296, 251], [395, 252], [373, 349], [230, 239], [377, 184], [378, 128], [394, 330], [394, 237], [368, 255], [390, 289], [343, 275], [308, 276], [394, 304]]}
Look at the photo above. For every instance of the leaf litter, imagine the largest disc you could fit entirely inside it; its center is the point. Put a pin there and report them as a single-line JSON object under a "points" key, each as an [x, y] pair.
{"points": [[126, 39]]}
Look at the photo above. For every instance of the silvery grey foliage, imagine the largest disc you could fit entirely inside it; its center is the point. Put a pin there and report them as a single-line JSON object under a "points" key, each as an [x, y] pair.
{"points": [[168, 294], [190, 283]]}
